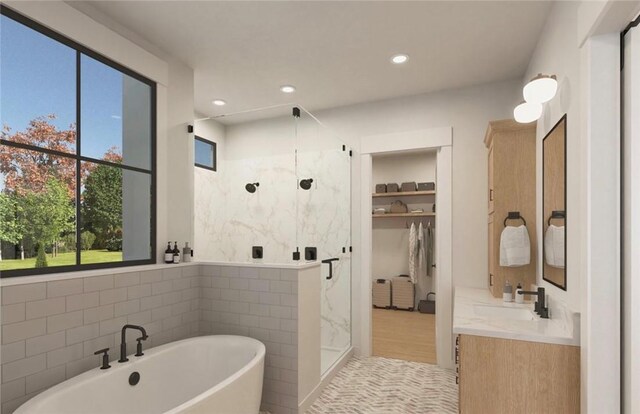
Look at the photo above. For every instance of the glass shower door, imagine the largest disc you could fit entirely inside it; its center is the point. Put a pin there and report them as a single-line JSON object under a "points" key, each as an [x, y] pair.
{"points": [[324, 221]]}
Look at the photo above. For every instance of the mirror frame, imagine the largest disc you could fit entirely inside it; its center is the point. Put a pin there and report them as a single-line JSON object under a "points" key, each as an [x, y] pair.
{"points": [[542, 221]]}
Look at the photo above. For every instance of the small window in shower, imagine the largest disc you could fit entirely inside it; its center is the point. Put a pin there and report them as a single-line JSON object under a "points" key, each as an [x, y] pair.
{"points": [[205, 153]]}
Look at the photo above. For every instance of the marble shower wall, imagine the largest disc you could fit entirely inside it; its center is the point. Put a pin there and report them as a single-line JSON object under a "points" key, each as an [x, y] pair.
{"points": [[280, 216], [229, 220]]}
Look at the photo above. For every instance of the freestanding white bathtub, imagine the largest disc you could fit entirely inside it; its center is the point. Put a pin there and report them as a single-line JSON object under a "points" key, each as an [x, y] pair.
{"points": [[208, 374]]}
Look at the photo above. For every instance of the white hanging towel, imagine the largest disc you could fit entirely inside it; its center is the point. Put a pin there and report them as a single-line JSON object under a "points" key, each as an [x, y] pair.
{"points": [[515, 246], [554, 246], [413, 253]]}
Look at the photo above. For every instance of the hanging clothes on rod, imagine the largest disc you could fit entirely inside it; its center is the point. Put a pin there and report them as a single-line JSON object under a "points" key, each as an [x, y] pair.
{"points": [[413, 253], [429, 249], [422, 252]]}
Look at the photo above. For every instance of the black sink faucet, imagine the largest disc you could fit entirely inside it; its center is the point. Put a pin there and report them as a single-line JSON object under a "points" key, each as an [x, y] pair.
{"points": [[540, 306], [123, 344]]}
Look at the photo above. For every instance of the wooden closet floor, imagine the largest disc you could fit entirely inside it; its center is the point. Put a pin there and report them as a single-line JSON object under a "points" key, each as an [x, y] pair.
{"points": [[410, 336]]}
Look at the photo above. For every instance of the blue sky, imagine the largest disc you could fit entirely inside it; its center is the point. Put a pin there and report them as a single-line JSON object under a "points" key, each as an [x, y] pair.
{"points": [[38, 77]]}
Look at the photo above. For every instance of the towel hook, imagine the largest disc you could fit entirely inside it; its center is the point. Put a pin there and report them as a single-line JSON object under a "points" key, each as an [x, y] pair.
{"points": [[556, 214], [514, 215]]}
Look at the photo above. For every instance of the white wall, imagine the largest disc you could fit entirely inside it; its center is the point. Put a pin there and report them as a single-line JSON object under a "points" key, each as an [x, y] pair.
{"points": [[177, 168], [557, 53], [390, 236], [588, 73], [468, 111]]}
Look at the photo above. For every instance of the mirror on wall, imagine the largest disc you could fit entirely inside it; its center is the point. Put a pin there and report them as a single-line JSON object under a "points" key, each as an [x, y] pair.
{"points": [[554, 202]]}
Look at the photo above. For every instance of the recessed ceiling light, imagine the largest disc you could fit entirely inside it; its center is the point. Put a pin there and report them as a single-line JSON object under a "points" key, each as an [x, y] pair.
{"points": [[399, 59], [219, 102], [288, 88]]}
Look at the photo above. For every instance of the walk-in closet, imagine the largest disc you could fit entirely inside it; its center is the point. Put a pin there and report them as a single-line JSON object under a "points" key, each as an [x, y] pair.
{"points": [[403, 273]]}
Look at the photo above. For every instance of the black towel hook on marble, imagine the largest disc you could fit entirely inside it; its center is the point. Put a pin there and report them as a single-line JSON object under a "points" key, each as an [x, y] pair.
{"points": [[514, 215]]}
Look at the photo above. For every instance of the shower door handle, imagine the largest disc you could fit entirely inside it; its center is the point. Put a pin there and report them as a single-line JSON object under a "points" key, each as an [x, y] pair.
{"points": [[330, 263]]}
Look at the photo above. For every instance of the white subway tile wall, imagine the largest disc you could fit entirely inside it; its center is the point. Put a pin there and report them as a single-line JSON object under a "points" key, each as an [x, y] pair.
{"points": [[256, 302], [50, 330]]}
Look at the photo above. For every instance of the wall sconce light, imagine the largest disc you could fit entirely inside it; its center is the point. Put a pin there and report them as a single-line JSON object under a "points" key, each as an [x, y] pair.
{"points": [[540, 89], [527, 112]]}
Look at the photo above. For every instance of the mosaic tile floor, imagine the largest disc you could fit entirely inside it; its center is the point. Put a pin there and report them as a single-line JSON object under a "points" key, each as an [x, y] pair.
{"points": [[388, 386]]}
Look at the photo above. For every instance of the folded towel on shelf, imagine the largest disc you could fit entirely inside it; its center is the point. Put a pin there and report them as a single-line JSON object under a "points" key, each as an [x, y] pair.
{"points": [[417, 210], [554, 246], [379, 210], [515, 246]]}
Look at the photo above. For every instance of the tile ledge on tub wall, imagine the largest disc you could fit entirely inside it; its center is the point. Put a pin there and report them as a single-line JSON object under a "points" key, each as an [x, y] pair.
{"points": [[23, 280], [302, 265]]}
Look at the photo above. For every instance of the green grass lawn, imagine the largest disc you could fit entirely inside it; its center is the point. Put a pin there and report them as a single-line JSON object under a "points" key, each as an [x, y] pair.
{"points": [[64, 259]]}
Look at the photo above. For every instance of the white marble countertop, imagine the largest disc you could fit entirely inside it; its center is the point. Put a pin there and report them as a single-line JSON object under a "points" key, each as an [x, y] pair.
{"points": [[562, 328]]}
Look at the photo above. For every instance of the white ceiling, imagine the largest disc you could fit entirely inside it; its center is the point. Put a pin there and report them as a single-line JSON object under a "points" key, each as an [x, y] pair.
{"points": [[335, 53]]}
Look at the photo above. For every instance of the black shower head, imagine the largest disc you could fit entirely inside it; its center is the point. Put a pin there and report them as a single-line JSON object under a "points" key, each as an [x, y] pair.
{"points": [[306, 183], [251, 187]]}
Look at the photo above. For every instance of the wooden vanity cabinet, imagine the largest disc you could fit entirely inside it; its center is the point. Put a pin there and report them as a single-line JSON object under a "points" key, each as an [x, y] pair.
{"points": [[512, 187], [497, 375]]}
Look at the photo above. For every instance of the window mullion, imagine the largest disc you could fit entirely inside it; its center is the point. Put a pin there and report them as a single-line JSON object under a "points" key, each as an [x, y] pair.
{"points": [[78, 161]]}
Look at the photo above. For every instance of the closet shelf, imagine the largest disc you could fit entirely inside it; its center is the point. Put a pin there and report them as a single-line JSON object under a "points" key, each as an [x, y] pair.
{"points": [[404, 194], [390, 215]]}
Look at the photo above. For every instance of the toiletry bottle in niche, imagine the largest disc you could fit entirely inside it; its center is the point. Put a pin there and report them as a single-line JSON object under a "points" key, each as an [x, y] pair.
{"points": [[176, 253], [168, 254], [507, 292], [186, 253], [519, 297]]}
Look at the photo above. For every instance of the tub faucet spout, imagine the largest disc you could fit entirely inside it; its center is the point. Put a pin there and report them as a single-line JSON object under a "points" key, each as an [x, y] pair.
{"points": [[123, 343]]}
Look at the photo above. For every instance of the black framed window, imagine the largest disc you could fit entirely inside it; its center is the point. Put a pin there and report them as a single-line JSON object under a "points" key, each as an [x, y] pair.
{"points": [[205, 153], [77, 155]]}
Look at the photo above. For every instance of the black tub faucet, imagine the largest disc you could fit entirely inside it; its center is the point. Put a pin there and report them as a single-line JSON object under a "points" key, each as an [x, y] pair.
{"points": [[540, 306], [123, 344]]}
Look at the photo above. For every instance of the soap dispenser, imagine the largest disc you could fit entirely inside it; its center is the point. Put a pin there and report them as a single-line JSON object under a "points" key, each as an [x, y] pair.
{"points": [[519, 296], [507, 292]]}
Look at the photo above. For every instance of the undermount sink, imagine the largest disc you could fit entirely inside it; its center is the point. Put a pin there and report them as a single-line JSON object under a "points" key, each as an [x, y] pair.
{"points": [[503, 312]]}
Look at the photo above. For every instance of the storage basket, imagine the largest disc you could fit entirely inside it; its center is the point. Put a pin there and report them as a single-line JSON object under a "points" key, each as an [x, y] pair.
{"points": [[382, 293], [381, 188], [392, 188], [398, 207], [407, 187], [403, 293], [426, 186]]}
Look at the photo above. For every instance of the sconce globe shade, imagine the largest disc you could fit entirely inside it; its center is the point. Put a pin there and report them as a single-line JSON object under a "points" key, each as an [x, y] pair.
{"points": [[540, 89], [527, 112]]}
